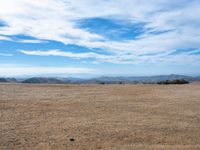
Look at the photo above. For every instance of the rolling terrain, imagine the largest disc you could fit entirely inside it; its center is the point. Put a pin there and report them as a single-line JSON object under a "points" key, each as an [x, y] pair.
{"points": [[100, 80], [92, 117]]}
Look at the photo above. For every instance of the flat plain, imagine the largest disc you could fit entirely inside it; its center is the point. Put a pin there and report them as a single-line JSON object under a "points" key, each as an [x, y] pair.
{"points": [[92, 117]]}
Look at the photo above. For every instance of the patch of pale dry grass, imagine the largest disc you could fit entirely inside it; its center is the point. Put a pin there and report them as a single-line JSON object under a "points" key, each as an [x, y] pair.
{"points": [[117, 117]]}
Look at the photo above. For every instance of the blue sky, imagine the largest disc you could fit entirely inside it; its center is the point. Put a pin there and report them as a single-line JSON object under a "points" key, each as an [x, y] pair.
{"points": [[85, 38]]}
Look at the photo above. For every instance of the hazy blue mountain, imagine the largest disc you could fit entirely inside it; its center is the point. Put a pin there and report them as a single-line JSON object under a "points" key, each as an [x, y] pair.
{"points": [[139, 79], [38, 80], [8, 80], [3, 80]]}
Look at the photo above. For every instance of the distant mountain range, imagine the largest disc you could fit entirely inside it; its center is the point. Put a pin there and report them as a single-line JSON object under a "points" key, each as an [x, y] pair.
{"points": [[101, 80], [8, 80]]}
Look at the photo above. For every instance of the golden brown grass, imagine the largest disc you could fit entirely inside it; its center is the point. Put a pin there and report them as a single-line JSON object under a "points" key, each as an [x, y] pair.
{"points": [[108, 117]]}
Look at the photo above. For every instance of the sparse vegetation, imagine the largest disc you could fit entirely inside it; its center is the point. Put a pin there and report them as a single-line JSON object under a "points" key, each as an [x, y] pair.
{"points": [[181, 81], [101, 82]]}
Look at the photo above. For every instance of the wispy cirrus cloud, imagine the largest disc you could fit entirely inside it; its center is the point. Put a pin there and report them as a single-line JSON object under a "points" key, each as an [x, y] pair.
{"points": [[14, 70], [125, 58], [6, 54], [4, 38], [62, 53]]}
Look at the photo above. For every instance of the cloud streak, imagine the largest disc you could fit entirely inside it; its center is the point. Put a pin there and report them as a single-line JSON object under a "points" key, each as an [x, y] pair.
{"points": [[37, 71], [62, 53], [124, 58], [6, 54]]}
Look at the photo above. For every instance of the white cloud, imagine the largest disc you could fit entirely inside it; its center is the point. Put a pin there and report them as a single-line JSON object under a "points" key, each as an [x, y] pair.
{"points": [[30, 41], [6, 54], [62, 53], [55, 20], [48, 19], [35, 70], [4, 38]]}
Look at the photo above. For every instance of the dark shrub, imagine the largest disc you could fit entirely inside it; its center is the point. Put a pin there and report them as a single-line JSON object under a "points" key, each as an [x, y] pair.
{"points": [[102, 82], [178, 81]]}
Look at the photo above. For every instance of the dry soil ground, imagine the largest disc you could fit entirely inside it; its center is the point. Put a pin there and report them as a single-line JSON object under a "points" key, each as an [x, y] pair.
{"points": [[108, 117]]}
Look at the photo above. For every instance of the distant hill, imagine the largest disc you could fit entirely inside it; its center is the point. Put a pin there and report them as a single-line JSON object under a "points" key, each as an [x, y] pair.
{"points": [[3, 80], [142, 79], [196, 79], [8, 80], [38, 80]]}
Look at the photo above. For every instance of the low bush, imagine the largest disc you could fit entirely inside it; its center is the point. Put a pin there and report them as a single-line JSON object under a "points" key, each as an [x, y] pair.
{"points": [[178, 81]]}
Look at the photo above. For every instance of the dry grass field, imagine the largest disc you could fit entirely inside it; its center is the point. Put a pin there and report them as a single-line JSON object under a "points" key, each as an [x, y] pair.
{"points": [[92, 117]]}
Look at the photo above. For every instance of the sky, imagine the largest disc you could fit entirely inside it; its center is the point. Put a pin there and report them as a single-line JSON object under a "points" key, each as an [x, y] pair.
{"points": [[84, 38]]}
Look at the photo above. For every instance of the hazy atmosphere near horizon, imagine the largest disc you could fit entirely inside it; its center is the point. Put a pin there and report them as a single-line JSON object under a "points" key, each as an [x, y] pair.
{"points": [[84, 38]]}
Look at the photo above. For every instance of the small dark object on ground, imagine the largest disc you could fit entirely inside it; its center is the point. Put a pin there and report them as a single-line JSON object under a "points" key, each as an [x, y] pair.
{"points": [[72, 139]]}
